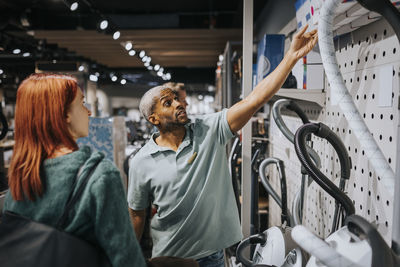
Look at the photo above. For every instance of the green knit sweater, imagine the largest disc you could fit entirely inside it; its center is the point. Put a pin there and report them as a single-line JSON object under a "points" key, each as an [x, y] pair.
{"points": [[100, 216]]}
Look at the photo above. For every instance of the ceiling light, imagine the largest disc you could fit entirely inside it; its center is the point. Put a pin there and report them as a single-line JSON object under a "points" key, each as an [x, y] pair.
{"points": [[114, 78], [26, 54], [221, 57], [128, 46], [150, 67], [168, 76], [160, 73], [104, 24], [148, 59], [144, 59], [81, 68], [16, 51], [161, 70], [74, 6], [93, 78], [97, 74], [123, 81], [142, 54], [146, 64], [132, 52], [1, 71], [156, 67], [116, 35]]}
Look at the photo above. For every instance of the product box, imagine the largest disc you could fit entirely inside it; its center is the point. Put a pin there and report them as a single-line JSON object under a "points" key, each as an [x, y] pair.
{"points": [[270, 53], [309, 72]]}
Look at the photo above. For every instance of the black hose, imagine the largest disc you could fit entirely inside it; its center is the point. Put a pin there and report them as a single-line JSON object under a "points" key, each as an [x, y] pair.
{"points": [[251, 240], [323, 131], [387, 10], [382, 255]]}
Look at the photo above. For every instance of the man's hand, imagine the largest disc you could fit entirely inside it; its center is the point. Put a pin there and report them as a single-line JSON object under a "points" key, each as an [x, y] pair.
{"points": [[302, 43]]}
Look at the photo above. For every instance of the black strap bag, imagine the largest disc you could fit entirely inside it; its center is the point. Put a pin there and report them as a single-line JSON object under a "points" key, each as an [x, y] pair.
{"points": [[24, 242]]}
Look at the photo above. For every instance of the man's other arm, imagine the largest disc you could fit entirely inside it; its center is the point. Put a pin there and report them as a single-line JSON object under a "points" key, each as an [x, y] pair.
{"points": [[240, 113], [138, 218]]}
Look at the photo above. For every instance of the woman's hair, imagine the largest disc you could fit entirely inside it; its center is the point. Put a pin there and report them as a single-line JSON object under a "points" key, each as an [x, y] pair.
{"points": [[43, 101]]}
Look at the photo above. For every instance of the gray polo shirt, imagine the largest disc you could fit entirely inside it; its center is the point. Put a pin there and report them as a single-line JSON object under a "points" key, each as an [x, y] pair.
{"points": [[192, 188]]}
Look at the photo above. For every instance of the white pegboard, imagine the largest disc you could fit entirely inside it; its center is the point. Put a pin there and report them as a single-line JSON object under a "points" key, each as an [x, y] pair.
{"points": [[361, 55]]}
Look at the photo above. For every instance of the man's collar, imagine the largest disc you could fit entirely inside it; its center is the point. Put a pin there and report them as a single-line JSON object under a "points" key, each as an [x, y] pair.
{"points": [[153, 148]]}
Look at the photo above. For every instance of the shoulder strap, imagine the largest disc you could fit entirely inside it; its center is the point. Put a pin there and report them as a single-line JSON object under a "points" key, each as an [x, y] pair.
{"points": [[73, 198]]}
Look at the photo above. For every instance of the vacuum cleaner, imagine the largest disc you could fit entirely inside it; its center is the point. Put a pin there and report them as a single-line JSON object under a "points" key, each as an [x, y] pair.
{"points": [[358, 243]]}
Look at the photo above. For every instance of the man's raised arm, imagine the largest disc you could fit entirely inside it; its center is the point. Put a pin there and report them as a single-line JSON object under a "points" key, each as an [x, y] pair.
{"points": [[240, 113]]}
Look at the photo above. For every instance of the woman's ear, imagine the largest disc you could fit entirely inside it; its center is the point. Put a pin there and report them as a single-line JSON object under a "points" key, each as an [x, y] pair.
{"points": [[68, 118]]}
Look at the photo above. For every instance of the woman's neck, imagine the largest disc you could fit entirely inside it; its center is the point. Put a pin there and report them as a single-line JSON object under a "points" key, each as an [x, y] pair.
{"points": [[60, 151]]}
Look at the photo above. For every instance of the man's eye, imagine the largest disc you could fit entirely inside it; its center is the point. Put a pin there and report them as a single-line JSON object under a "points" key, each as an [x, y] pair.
{"points": [[167, 103]]}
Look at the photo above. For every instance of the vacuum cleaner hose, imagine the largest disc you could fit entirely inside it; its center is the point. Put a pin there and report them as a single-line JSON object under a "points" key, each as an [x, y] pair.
{"points": [[323, 131]]}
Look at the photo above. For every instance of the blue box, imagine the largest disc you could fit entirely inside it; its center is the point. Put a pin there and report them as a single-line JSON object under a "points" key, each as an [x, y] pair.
{"points": [[270, 53]]}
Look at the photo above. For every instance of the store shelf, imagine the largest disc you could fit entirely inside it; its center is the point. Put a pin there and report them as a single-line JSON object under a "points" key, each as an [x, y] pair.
{"points": [[316, 95]]}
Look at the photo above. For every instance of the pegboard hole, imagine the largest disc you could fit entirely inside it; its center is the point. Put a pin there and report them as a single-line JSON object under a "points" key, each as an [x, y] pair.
{"points": [[370, 174], [351, 80], [349, 131], [384, 32], [387, 202], [355, 167], [386, 224], [390, 160], [390, 139], [365, 77], [360, 207], [394, 50], [351, 63], [367, 39], [365, 96], [359, 42], [374, 56], [366, 59], [373, 96], [355, 150], [377, 218], [363, 152], [357, 97], [384, 53], [369, 212], [345, 65], [378, 197], [362, 171], [380, 137], [369, 192], [364, 115], [358, 79], [372, 115], [362, 189], [358, 61], [391, 117], [373, 76], [375, 35]]}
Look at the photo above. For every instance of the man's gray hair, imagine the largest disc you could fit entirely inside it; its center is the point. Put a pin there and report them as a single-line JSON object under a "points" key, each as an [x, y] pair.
{"points": [[149, 100]]}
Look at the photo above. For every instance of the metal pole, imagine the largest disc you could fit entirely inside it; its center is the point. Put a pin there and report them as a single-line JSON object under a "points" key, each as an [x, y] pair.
{"points": [[396, 202], [246, 131]]}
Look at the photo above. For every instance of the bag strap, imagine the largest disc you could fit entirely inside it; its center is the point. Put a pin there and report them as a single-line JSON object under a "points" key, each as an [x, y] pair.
{"points": [[73, 198]]}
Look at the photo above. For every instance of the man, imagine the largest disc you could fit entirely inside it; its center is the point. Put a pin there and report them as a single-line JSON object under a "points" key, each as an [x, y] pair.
{"points": [[180, 89], [183, 169]]}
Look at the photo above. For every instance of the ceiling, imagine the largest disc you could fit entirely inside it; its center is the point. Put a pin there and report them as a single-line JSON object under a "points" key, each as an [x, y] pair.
{"points": [[167, 47], [176, 34]]}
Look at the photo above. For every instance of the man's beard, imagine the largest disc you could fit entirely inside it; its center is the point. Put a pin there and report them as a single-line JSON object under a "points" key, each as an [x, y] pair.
{"points": [[172, 125]]}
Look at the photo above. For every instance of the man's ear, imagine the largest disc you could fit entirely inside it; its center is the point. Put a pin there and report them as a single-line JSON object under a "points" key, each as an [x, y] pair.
{"points": [[153, 119]]}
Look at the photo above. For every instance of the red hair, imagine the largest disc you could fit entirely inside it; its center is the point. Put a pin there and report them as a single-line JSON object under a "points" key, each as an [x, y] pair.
{"points": [[43, 101]]}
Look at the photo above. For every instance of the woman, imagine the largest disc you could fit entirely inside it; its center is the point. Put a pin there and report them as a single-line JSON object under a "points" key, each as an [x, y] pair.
{"points": [[50, 116]]}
